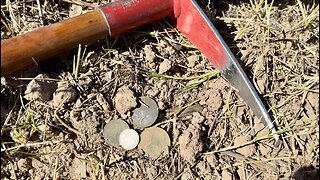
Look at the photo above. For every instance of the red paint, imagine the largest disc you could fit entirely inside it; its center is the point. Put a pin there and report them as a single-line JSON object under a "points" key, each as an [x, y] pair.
{"points": [[124, 15], [195, 28]]}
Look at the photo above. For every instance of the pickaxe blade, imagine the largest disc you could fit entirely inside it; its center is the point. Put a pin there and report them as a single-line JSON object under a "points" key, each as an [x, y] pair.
{"points": [[197, 27]]}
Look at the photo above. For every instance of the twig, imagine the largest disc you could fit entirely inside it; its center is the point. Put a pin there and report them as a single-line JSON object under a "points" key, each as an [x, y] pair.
{"points": [[30, 144], [40, 12]]}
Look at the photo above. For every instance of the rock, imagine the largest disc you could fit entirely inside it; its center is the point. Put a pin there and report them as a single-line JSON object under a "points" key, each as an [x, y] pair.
{"points": [[40, 89], [75, 10], [23, 165], [124, 100]]}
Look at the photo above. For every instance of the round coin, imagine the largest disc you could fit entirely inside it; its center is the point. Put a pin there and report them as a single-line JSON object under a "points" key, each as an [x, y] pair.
{"points": [[146, 113], [129, 139], [154, 142], [112, 131]]}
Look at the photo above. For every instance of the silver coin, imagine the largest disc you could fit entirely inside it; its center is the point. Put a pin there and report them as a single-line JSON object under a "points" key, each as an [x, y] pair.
{"points": [[146, 113], [129, 139], [112, 131]]}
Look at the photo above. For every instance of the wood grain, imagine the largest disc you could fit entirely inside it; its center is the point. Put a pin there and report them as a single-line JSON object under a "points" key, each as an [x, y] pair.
{"points": [[32, 47]]}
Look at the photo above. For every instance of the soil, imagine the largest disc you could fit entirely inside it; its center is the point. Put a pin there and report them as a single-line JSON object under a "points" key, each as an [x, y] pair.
{"points": [[53, 115]]}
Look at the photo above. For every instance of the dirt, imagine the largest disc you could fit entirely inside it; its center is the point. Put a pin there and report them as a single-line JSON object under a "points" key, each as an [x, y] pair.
{"points": [[124, 100], [53, 116], [190, 140]]}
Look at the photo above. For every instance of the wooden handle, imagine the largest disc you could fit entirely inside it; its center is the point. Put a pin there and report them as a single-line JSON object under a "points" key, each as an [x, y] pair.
{"points": [[45, 42]]}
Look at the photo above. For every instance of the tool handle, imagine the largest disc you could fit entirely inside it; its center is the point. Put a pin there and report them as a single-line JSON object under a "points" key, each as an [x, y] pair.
{"points": [[35, 46]]}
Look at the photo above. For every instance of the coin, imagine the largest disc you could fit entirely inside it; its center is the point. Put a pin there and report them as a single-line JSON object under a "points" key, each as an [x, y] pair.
{"points": [[146, 113]]}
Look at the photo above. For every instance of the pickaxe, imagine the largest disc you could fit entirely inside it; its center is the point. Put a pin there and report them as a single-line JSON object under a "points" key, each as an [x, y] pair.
{"points": [[121, 16]]}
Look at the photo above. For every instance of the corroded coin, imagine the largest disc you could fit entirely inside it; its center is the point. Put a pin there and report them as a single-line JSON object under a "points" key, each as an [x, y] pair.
{"points": [[154, 142]]}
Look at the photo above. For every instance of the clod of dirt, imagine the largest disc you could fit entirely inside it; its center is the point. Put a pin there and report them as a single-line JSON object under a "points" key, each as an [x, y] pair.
{"points": [[39, 89], [146, 114], [129, 139], [226, 175], [186, 176], [39, 169], [212, 99], [165, 66], [246, 150], [150, 55], [112, 131], [192, 60], [197, 118], [190, 143], [205, 169], [65, 93], [154, 142], [78, 169], [23, 165], [124, 100]]}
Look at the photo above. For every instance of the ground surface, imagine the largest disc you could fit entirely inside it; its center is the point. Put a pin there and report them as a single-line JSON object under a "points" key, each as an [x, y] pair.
{"points": [[52, 126]]}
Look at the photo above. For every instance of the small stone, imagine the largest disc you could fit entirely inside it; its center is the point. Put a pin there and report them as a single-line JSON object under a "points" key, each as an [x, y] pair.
{"points": [[23, 165], [44, 128], [75, 10], [78, 169], [129, 139]]}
